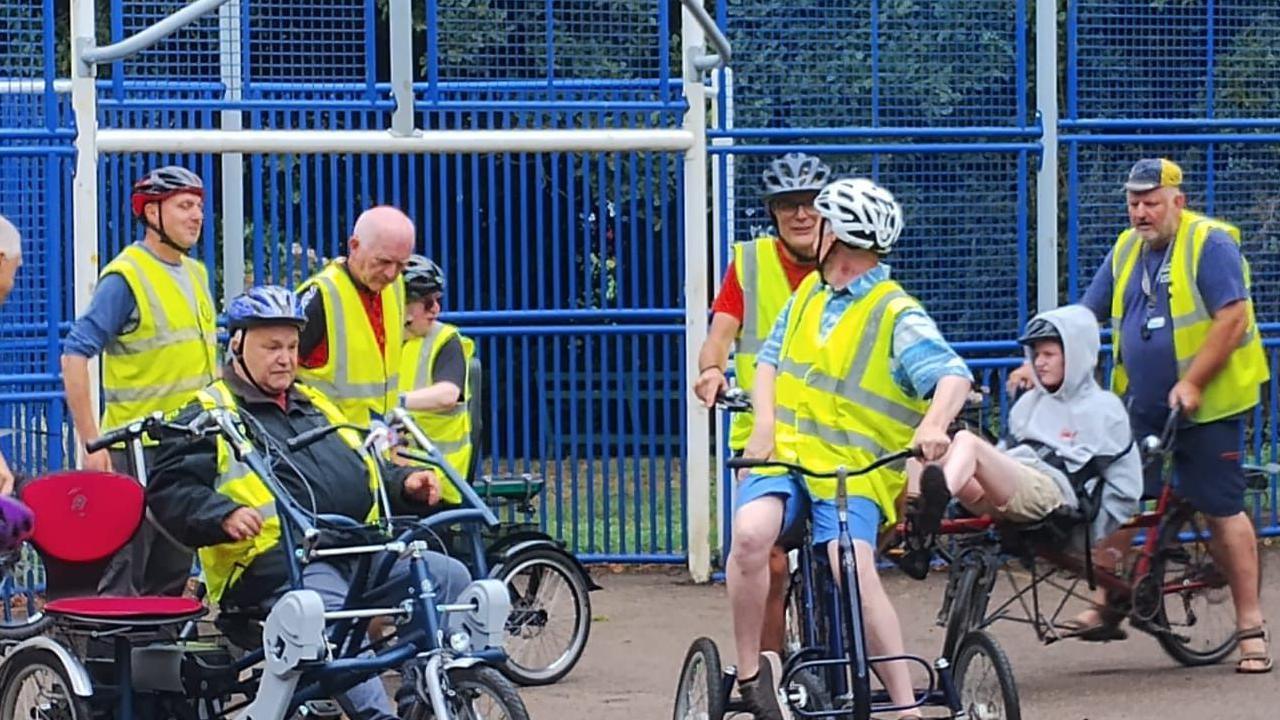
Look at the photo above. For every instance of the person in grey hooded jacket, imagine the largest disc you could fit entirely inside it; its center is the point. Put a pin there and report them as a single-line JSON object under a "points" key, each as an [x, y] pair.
{"points": [[1055, 430]]}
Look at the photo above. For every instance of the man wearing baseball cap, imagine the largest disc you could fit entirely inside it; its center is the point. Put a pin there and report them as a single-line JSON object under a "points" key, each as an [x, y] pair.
{"points": [[1175, 289]]}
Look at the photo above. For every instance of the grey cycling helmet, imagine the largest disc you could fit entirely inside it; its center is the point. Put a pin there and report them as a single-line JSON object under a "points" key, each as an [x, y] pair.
{"points": [[1039, 329], [794, 172]]}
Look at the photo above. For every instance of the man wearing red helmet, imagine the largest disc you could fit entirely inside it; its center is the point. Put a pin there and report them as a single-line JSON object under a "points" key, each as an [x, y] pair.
{"points": [[152, 319]]}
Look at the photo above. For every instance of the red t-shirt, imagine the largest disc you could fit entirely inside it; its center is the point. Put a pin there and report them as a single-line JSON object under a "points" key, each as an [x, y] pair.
{"points": [[372, 303], [729, 300]]}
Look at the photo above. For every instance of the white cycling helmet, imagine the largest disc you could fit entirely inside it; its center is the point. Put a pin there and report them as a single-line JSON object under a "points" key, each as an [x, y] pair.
{"points": [[862, 214]]}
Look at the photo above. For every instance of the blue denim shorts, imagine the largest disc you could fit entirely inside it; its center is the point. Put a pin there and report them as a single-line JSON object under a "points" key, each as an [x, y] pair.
{"points": [[864, 514]]}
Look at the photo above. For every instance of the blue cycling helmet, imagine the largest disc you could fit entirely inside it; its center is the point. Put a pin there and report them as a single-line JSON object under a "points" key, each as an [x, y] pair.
{"points": [[265, 305]]}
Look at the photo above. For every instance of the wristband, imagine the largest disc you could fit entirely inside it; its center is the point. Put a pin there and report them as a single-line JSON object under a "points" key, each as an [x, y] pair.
{"points": [[712, 367]]}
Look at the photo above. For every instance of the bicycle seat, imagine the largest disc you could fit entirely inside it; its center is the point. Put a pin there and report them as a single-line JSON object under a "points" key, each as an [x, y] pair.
{"points": [[82, 519]]}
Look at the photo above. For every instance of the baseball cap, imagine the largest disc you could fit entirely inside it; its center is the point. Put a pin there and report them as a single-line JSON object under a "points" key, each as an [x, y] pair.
{"points": [[1151, 173]]}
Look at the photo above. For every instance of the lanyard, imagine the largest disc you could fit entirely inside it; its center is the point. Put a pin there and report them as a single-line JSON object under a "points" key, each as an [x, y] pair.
{"points": [[1147, 290]]}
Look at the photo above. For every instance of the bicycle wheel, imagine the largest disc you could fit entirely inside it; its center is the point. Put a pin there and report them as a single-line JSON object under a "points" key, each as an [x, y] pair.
{"points": [[984, 679], [22, 579], [550, 616], [476, 693], [698, 695], [1195, 616], [963, 590], [36, 686]]}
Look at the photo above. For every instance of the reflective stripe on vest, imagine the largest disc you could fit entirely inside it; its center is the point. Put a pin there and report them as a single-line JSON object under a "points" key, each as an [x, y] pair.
{"points": [[765, 290], [352, 377], [1236, 386], [837, 401], [172, 352], [449, 430], [224, 563]]}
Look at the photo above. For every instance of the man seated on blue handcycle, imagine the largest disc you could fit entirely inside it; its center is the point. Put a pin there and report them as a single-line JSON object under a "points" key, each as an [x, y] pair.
{"points": [[208, 500], [853, 369], [1064, 435]]}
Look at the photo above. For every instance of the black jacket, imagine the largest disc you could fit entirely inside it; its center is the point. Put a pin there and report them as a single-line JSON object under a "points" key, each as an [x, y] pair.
{"points": [[181, 491]]}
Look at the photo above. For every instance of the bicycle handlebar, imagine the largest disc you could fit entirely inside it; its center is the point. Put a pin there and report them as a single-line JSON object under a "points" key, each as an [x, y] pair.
{"points": [[734, 399], [150, 426], [840, 472]]}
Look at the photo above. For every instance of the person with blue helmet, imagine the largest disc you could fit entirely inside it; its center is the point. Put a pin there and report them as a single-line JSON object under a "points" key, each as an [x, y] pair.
{"points": [[208, 501]]}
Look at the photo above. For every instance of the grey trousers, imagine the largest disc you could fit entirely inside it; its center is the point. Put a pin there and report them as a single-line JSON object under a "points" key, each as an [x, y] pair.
{"points": [[151, 563], [368, 700]]}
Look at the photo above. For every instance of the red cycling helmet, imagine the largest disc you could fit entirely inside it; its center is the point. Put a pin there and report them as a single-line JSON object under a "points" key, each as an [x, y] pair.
{"points": [[163, 183]]}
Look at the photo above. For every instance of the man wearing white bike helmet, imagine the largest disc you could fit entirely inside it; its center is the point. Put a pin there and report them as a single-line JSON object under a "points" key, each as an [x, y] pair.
{"points": [[854, 368], [759, 280]]}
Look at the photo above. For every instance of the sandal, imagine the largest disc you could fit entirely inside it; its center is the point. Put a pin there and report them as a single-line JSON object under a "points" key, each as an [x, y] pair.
{"points": [[1105, 630], [1255, 633]]}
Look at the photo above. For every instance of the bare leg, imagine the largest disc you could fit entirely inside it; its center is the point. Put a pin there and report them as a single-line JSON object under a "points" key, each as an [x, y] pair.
{"points": [[775, 614], [1235, 550], [880, 620], [755, 528], [975, 469]]}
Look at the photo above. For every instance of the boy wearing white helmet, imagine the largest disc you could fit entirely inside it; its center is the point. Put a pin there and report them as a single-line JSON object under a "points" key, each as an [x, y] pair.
{"points": [[853, 369]]}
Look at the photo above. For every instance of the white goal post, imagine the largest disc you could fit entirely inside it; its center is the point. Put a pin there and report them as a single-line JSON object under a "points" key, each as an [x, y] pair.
{"points": [[403, 138]]}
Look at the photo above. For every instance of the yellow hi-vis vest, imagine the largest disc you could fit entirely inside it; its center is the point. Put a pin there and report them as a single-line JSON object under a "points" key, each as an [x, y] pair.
{"points": [[765, 290], [359, 380], [837, 401], [172, 352], [449, 430], [1236, 386], [223, 564]]}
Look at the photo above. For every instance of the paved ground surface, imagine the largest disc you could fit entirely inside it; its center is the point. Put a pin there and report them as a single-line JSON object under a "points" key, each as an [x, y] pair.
{"points": [[644, 622]]}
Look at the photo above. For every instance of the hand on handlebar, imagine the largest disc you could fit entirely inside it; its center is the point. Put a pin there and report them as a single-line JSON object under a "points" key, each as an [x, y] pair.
{"points": [[1184, 396], [1020, 378], [710, 383], [99, 461], [759, 447], [931, 442], [423, 486]]}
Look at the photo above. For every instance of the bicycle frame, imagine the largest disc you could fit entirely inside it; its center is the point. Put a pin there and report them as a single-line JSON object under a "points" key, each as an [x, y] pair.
{"points": [[845, 645], [423, 617]]}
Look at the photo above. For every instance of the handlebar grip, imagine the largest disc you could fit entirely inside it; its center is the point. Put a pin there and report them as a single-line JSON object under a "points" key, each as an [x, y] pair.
{"points": [[304, 439], [113, 437]]}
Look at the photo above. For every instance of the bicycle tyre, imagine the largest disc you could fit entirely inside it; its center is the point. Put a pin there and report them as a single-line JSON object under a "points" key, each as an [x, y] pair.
{"points": [[466, 684], [542, 564], [980, 645], [26, 663], [1177, 645], [963, 602], [698, 693]]}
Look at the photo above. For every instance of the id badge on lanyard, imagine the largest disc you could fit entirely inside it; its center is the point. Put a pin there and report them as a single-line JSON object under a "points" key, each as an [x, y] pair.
{"points": [[1153, 321]]}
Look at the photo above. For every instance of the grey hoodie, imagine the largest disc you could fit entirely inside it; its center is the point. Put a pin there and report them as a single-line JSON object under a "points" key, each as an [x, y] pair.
{"points": [[1079, 421]]}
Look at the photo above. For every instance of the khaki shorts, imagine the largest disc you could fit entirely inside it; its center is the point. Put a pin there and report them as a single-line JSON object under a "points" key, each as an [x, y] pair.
{"points": [[1036, 497]]}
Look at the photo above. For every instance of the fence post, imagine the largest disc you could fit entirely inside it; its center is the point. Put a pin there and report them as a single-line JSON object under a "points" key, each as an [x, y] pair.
{"points": [[84, 186], [1047, 177], [697, 421], [229, 42]]}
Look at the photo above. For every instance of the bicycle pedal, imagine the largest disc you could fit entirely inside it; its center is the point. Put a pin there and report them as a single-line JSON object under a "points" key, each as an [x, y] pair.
{"points": [[320, 710]]}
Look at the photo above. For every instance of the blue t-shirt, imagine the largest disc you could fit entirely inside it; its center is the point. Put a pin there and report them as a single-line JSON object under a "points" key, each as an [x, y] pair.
{"points": [[1151, 361]]}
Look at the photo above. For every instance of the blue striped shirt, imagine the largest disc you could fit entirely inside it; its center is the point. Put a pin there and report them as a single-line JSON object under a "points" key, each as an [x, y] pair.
{"points": [[920, 355]]}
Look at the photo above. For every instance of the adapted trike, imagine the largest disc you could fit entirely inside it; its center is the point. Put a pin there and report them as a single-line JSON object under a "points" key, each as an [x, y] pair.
{"points": [[82, 656], [829, 674], [1172, 589]]}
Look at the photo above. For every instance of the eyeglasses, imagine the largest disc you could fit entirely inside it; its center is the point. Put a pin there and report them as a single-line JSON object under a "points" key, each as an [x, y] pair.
{"points": [[790, 206]]}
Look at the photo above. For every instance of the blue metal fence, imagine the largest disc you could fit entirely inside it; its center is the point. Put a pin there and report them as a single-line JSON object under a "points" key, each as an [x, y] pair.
{"points": [[568, 268], [1196, 82]]}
